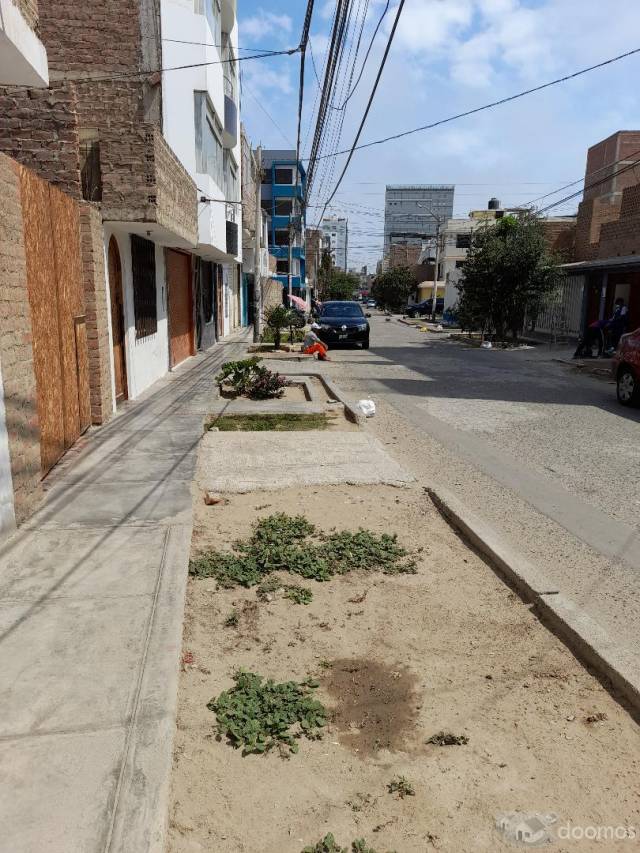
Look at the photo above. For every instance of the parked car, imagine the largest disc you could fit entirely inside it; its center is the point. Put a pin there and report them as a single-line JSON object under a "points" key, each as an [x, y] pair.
{"points": [[371, 303], [424, 308], [343, 323], [626, 369]]}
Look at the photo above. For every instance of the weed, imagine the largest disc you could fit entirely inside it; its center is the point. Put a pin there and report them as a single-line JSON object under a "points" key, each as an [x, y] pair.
{"points": [[402, 787], [328, 845], [258, 714], [268, 587], [299, 594], [232, 619], [270, 421], [363, 549], [448, 739], [325, 664], [290, 543]]}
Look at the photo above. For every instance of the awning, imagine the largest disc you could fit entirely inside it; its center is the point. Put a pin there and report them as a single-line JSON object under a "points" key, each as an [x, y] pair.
{"points": [[603, 264]]}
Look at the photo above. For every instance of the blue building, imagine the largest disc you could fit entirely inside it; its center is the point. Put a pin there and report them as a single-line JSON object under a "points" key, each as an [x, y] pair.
{"points": [[283, 191]]}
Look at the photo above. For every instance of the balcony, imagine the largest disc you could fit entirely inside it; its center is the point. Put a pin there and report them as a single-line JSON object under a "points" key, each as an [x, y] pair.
{"points": [[281, 252], [146, 188], [23, 58], [287, 191]]}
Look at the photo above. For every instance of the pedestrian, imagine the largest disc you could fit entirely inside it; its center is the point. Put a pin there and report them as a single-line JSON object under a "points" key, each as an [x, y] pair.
{"points": [[312, 344], [617, 324]]}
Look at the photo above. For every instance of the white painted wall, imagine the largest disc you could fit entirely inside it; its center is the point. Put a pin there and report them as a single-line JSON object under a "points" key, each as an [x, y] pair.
{"points": [[7, 517], [147, 358], [180, 21]]}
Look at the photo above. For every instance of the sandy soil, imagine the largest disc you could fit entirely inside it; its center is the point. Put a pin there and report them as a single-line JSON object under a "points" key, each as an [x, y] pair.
{"points": [[399, 659]]}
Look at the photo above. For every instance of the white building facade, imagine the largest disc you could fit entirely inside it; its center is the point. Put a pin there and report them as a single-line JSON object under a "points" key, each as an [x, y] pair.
{"points": [[335, 231]]}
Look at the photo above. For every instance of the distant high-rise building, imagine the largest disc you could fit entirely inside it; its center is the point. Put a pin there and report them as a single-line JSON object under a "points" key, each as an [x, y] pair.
{"points": [[336, 230], [410, 212]]}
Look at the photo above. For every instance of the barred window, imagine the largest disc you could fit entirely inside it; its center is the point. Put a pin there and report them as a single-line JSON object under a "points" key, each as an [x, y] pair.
{"points": [[143, 264]]}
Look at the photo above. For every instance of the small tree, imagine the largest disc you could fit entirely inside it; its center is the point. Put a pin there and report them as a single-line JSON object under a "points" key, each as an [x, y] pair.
{"points": [[392, 289], [277, 318], [507, 274], [324, 275], [342, 285]]}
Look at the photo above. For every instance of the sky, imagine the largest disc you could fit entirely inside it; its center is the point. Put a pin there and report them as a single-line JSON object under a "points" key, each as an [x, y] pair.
{"points": [[449, 56]]}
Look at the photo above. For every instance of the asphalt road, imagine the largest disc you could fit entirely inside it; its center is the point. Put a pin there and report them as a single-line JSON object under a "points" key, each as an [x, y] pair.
{"points": [[545, 455]]}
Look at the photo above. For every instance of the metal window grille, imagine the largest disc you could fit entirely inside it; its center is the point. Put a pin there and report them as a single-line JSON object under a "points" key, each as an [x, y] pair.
{"points": [[143, 264]]}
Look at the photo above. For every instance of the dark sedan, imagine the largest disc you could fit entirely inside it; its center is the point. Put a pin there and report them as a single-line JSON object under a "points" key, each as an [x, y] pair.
{"points": [[420, 309], [343, 323]]}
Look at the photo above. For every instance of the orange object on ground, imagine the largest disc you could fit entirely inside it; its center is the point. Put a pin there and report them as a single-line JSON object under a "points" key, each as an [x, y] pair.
{"points": [[321, 349]]}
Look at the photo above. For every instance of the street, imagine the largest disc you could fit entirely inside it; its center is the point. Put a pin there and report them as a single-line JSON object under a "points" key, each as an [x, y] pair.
{"points": [[543, 454]]}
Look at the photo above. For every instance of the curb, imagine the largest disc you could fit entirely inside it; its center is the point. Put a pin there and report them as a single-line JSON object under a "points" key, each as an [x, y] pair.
{"points": [[583, 636], [337, 393]]}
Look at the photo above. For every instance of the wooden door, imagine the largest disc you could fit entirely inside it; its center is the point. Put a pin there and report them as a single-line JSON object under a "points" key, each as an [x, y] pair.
{"points": [[43, 302], [51, 225], [117, 321], [178, 271]]}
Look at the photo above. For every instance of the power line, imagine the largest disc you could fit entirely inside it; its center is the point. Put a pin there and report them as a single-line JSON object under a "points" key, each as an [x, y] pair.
{"points": [[126, 74], [369, 103], [303, 49], [604, 180], [364, 61], [491, 105], [268, 115]]}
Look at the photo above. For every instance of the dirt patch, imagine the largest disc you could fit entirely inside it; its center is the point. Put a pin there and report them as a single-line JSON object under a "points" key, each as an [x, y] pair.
{"points": [[473, 661], [375, 705]]}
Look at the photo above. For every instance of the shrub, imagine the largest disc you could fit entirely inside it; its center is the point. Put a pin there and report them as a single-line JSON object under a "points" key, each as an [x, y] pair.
{"points": [[239, 374], [277, 318], [266, 385]]}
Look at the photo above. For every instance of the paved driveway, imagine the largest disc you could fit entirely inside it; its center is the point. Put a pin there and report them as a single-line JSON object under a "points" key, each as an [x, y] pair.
{"points": [[545, 455]]}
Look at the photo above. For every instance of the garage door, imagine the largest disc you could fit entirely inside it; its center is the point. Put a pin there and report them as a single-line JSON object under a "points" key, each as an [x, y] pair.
{"points": [[180, 306]]}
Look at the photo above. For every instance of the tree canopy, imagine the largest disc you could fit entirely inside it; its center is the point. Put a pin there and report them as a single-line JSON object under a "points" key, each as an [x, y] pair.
{"points": [[342, 285], [507, 273], [391, 289]]}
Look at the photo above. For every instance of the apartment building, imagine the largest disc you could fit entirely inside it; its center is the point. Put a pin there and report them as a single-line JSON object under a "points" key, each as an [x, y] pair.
{"points": [[158, 151], [412, 213], [335, 230], [283, 188]]}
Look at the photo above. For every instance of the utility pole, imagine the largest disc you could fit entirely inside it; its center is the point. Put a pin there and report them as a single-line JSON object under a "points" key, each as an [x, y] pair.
{"points": [[435, 272], [257, 278], [291, 236]]}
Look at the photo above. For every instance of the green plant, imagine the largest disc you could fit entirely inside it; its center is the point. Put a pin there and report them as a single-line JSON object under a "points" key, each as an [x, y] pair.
{"points": [[392, 288], [266, 385], [277, 318], [328, 845], [298, 594], [258, 714], [238, 374], [268, 336], [402, 787], [284, 543], [268, 421], [232, 619], [448, 739]]}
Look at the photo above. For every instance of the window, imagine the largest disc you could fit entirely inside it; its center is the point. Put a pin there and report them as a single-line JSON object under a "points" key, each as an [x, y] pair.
{"points": [[143, 265], [284, 207], [282, 267], [90, 171], [265, 204], [459, 264], [463, 241], [209, 156], [281, 237], [230, 177], [284, 176], [211, 8]]}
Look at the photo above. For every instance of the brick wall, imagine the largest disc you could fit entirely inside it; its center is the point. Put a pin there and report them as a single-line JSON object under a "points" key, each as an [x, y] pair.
{"points": [[404, 256], [94, 280], [560, 238], [176, 193], [16, 352], [621, 146], [29, 9], [592, 215], [39, 128]]}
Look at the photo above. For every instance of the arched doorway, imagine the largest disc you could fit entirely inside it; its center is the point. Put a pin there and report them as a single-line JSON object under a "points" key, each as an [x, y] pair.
{"points": [[117, 321]]}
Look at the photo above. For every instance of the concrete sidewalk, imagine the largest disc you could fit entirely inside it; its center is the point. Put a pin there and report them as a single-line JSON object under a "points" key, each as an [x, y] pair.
{"points": [[91, 609]]}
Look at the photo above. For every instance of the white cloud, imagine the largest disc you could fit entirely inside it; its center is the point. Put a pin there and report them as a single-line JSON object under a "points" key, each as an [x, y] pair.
{"points": [[266, 79], [264, 24]]}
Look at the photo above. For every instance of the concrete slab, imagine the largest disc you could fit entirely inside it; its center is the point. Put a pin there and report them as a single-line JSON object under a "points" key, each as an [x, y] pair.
{"points": [[109, 504], [105, 563], [239, 462], [69, 663], [57, 791]]}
